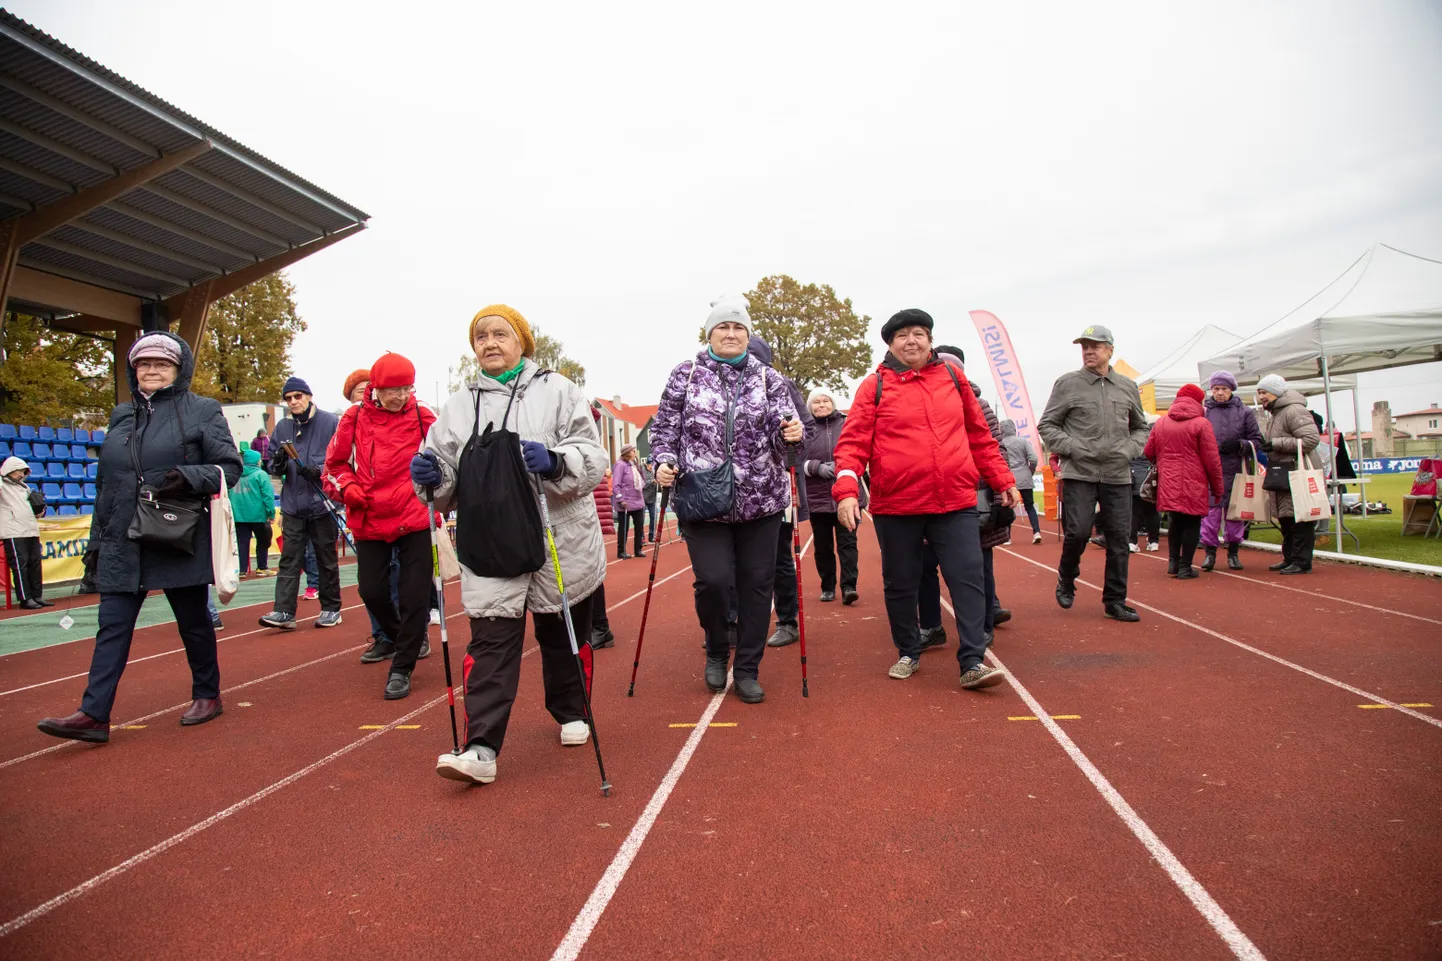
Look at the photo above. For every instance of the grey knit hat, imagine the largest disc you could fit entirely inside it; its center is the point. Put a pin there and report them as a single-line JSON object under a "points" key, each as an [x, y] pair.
{"points": [[156, 347], [1273, 384]]}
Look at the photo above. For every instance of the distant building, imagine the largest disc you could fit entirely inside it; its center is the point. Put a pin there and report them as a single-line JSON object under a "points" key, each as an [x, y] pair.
{"points": [[1420, 423], [623, 424], [246, 419]]}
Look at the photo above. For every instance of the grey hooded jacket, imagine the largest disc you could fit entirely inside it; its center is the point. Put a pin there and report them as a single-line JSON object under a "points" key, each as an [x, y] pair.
{"points": [[1020, 456]]}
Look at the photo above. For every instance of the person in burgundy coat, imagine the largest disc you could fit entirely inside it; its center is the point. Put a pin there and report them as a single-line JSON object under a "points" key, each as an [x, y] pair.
{"points": [[1189, 474]]}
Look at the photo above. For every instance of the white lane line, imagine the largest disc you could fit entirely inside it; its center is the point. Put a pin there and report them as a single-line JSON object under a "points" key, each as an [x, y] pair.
{"points": [[1295, 590], [575, 940], [1376, 698], [1239, 944]]}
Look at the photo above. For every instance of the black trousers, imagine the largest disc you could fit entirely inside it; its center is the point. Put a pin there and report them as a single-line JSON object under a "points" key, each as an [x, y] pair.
{"points": [[636, 520], [22, 554], [1145, 519], [788, 610], [1299, 539], [955, 539], [117, 616], [261, 532], [928, 598], [321, 533], [739, 558], [599, 620], [1080, 501], [1183, 533], [491, 670], [406, 626], [831, 540]]}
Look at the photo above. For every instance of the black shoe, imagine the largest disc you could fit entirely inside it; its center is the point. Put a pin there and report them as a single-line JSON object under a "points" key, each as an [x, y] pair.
{"points": [[1278, 567], [44, 602], [933, 637], [716, 673], [1233, 561], [1097, 541], [30, 604], [1065, 594], [602, 639], [1210, 561], [1172, 566], [1187, 573], [639, 553], [623, 556], [380, 650], [828, 596], [849, 597], [425, 649], [1001, 616], [398, 686], [1295, 569], [1120, 612], [215, 622], [749, 690]]}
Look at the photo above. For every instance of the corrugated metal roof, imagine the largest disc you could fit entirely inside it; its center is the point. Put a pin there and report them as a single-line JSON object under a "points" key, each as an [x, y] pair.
{"points": [[67, 123]]}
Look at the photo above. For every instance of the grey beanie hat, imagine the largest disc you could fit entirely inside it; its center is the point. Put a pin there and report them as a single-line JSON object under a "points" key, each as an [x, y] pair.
{"points": [[1273, 384], [728, 309]]}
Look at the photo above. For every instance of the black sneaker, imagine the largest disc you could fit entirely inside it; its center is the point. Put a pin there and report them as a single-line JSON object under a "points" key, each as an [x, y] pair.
{"points": [[216, 623], [397, 686], [1120, 612], [602, 639], [425, 649], [380, 650], [1278, 567], [828, 596], [933, 637], [1001, 616], [716, 673], [749, 690], [1065, 594], [849, 596]]}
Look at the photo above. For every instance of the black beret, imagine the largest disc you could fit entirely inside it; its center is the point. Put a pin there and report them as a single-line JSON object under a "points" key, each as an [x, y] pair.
{"points": [[910, 317]]}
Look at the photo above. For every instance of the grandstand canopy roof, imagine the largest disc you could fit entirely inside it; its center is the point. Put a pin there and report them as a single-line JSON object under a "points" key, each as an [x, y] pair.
{"points": [[112, 198]]}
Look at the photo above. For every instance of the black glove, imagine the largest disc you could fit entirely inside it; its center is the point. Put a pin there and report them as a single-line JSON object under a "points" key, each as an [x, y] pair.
{"points": [[1266, 444], [277, 461], [311, 474], [1231, 447], [174, 485]]}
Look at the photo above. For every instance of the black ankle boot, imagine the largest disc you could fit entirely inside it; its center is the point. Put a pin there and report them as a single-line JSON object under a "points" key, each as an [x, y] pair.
{"points": [[1172, 567], [1233, 561], [1210, 561]]}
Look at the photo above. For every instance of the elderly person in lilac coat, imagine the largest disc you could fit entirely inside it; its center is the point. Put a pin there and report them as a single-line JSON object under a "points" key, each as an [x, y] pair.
{"points": [[1234, 425], [735, 549], [627, 483]]}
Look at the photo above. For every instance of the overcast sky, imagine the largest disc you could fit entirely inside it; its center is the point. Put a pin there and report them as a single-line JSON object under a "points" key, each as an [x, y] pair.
{"points": [[607, 169]]}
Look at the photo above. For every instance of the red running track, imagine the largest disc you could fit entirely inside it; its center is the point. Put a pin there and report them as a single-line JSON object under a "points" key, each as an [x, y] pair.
{"points": [[1214, 791]]}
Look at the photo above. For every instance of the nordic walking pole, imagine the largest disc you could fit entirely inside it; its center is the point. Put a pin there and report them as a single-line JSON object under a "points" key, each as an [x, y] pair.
{"points": [[441, 603], [650, 585], [791, 451], [571, 633]]}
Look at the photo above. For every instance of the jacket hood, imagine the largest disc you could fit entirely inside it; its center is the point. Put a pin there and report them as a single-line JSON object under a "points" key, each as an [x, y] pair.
{"points": [[1233, 401], [1289, 398], [759, 349], [1008, 428], [1184, 408], [13, 464], [252, 458], [182, 379]]}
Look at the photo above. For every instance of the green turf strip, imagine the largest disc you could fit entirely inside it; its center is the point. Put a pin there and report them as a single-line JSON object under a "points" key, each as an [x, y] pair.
{"points": [[34, 631]]}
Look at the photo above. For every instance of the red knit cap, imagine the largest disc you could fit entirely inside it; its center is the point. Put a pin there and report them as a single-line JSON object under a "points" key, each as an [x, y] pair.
{"points": [[1192, 391], [392, 370], [356, 377]]}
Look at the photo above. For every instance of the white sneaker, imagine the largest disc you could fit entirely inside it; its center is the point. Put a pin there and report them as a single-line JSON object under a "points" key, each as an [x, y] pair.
{"points": [[1133, 549], [904, 668], [1006, 543], [435, 617], [476, 764], [1036, 538], [1153, 547], [575, 733]]}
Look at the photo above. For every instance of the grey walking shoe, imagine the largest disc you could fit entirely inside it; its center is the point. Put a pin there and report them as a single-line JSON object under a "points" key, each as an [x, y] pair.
{"points": [[328, 619], [785, 634], [280, 619]]}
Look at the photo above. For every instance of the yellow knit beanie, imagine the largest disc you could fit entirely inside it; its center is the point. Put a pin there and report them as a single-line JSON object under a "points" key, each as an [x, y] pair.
{"points": [[512, 317]]}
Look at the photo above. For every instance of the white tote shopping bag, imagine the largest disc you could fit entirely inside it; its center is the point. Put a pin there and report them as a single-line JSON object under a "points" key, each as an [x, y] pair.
{"points": [[446, 555], [1248, 501], [224, 549], [1309, 494]]}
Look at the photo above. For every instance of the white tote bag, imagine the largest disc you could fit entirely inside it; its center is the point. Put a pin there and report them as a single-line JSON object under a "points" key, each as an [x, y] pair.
{"points": [[224, 549], [1309, 493], [1248, 501]]}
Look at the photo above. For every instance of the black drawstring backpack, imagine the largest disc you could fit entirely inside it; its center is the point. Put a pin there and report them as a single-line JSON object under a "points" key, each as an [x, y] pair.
{"points": [[498, 526]]}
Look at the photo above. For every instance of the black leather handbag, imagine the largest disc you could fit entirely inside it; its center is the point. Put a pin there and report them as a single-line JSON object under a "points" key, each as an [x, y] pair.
{"points": [[165, 521]]}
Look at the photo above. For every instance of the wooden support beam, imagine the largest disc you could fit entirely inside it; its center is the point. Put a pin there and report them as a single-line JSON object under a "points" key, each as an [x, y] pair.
{"points": [[44, 219], [125, 338], [63, 293], [9, 250], [193, 309], [249, 274]]}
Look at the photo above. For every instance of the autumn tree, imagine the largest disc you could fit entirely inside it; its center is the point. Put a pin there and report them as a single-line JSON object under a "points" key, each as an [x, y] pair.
{"points": [[550, 354], [245, 353], [53, 376]]}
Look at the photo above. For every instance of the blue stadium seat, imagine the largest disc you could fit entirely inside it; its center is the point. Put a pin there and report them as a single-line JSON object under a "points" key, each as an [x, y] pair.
{"points": [[55, 471], [78, 453], [64, 434], [8, 432], [47, 433], [40, 452], [22, 451], [82, 436], [67, 510], [87, 508], [97, 437], [75, 472], [27, 433], [4, 449], [51, 492], [72, 494], [33, 486], [92, 470], [89, 495]]}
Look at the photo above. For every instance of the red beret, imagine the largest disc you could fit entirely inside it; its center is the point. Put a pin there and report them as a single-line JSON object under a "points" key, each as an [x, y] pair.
{"points": [[392, 370]]}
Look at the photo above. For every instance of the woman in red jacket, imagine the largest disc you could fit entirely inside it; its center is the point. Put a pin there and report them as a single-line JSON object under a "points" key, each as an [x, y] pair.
{"points": [[379, 436], [1189, 472], [918, 427]]}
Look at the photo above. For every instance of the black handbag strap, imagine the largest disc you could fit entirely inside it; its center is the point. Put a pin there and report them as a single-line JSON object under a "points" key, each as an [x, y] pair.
{"points": [[730, 410]]}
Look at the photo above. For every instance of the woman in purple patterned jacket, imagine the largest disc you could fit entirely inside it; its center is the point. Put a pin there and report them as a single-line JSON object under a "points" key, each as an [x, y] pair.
{"points": [[736, 550]]}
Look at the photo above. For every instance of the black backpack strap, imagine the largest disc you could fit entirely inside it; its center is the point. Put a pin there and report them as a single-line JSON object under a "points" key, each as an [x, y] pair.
{"points": [[955, 381]]}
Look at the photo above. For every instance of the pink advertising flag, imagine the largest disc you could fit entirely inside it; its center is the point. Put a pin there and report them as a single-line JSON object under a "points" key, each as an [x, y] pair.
{"points": [[1006, 371]]}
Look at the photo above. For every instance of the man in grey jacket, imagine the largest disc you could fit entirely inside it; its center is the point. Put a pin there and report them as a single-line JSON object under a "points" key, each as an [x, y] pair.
{"points": [[1095, 423]]}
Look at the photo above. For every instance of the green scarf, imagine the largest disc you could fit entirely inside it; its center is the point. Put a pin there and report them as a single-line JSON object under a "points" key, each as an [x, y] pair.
{"points": [[736, 361], [509, 375]]}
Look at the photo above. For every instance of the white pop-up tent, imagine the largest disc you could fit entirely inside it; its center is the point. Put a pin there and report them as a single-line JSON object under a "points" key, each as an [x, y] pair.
{"points": [[1160, 383], [1384, 311]]}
